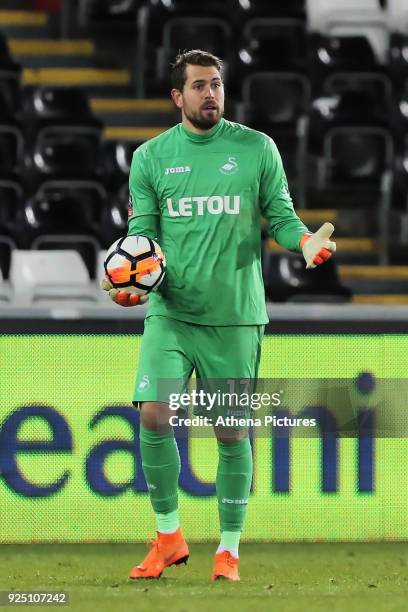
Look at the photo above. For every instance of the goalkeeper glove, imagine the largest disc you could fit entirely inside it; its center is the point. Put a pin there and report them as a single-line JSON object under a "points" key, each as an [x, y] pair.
{"points": [[121, 296], [317, 248]]}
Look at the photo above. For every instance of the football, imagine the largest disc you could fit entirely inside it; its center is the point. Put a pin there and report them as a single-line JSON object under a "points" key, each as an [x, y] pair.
{"points": [[135, 263]]}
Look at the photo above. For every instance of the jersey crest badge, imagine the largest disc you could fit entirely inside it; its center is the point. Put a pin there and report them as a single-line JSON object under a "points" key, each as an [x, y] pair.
{"points": [[230, 167]]}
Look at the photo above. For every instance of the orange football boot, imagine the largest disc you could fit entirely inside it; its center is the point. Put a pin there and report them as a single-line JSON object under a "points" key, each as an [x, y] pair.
{"points": [[167, 549], [225, 567]]}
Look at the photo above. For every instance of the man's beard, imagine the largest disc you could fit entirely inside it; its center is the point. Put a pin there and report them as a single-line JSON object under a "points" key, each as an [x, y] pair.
{"points": [[201, 123]]}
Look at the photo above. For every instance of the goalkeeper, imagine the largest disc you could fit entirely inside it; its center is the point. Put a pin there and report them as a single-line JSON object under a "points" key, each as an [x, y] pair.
{"points": [[200, 190]]}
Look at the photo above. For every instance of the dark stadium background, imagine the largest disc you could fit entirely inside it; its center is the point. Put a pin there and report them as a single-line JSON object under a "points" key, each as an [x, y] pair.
{"points": [[83, 83]]}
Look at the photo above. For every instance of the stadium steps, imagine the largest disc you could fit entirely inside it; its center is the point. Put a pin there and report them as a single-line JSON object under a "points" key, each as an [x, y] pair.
{"points": [[131, 133], [349, 250], [42, 53], [24, 23], [318, 216], [84, 77], [129, 112], [381, 299], [348, 223], [375, 280]]}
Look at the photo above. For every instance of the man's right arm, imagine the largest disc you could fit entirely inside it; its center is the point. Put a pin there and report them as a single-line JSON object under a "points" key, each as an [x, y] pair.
{"points": [[143, 219], [144, 214]]}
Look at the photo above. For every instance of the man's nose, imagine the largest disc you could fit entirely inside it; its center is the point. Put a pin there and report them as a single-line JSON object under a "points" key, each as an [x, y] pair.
{"points": [[209, 92]]}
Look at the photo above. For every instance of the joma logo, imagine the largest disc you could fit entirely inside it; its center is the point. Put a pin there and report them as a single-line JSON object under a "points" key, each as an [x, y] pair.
{"points": [[177, 170]]}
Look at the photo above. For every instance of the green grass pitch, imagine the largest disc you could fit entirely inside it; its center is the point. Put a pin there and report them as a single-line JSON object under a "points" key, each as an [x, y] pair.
{"points": [[281, 577]]}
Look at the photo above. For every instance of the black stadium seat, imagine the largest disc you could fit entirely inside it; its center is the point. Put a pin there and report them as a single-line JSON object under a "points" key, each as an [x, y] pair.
{"points": [[117, 158], [373, 88], [400, 181], [11, 202], [109, 12], [331, 54], [286, 279], [57, 106], [10, 76], [398, 60], [115, 217], [277, 104], [273, 99], [270, 45], [58, 103], [63, 153], [211, 34], [11, 151], [244, 10], [65, 215], [357, 154], [400, 119], [359, 107], [62, 211]]}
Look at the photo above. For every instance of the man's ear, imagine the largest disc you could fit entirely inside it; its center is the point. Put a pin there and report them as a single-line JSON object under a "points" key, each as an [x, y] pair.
{"points": [[177, 97]]}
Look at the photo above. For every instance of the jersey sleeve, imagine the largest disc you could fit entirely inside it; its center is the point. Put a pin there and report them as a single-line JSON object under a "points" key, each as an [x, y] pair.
{"points": [[284, 226], [144, 214]]}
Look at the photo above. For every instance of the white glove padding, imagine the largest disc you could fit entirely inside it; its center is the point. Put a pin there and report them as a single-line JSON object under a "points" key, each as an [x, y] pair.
{"points": [[317, 248], [121, 296]]}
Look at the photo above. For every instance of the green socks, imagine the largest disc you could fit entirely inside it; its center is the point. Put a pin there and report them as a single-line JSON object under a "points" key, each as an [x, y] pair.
{"points": [[161, 467], [234, 477]]}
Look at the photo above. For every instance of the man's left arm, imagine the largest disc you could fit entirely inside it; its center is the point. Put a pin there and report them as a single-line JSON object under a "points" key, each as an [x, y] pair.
{"points": [[284, 226]]}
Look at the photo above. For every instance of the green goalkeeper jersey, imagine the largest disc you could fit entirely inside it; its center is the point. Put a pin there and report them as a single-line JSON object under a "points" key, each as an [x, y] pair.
{"points": [[201, 197]]}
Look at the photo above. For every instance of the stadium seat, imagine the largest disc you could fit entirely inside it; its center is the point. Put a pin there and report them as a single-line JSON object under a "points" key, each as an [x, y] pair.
{"points": [[244, 10], [155, 17], [109, 12], [357, 154], [211, 34], [354, 173], [287, 280], [359, 106], [160, 11], [372, 88], [398, 226], [63, 213], [10, 75], [54, 106], [11, 202], [115, 219], [7, 246], [271, 44], [275, 98], [10, 91], [5, 58], [397, 16], [60, 212], [331, 54], [117, 158], [398, 61], [63, 153], [350, 17], [400, 180], [400, 120], [58, 276], [11, 150], [5, 293], [277, 103]]}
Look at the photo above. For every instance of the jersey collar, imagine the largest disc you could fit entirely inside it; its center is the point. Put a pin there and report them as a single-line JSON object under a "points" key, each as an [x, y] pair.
{"points": [[212, 133]]}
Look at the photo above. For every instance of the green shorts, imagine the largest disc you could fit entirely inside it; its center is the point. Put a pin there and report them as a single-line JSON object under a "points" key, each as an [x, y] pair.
{"points": [[171, 350]]}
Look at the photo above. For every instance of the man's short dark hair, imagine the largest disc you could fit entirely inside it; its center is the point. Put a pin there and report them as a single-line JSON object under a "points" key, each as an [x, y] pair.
{"points": [[195, 57]]}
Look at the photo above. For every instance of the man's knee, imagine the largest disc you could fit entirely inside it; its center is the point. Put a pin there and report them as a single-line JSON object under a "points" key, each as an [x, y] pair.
{"points": [[227, 435], [155, 416]]}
